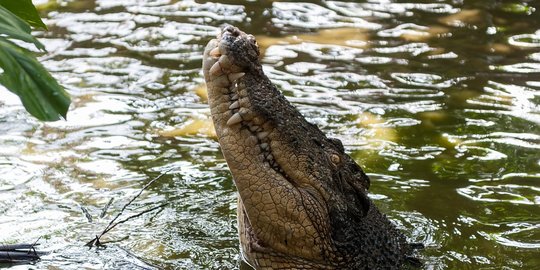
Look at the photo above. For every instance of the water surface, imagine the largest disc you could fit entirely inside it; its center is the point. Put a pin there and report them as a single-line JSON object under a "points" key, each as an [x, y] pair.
{"points": [[439, 101]]}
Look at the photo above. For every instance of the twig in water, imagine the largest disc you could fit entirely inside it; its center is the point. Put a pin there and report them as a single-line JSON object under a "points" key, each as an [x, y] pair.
{"points": [[104, 211], [96, 241], [135, 216], [86, 213]]}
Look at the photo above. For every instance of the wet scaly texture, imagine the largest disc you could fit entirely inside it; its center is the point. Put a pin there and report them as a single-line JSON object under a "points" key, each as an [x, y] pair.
{"points": [[303, 201], [453, 84]]}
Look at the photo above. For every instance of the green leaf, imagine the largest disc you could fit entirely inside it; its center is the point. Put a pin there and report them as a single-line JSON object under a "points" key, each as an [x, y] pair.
{"points": [[13, 27], [25, 10], [23, 75]]}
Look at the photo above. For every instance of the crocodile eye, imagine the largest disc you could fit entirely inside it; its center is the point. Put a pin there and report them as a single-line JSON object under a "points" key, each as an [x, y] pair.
{"points": [[335, 159]]}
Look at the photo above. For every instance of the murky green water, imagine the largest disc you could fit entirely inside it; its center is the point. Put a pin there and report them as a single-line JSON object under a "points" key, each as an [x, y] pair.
{"points": [[438, 101]]}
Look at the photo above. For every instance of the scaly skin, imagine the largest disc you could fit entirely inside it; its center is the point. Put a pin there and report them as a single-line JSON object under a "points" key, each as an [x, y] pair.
{"points": [[303, 201]]}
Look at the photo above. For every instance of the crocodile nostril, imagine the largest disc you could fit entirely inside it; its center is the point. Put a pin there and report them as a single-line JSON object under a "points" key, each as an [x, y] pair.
{"points": [[232, 30]]}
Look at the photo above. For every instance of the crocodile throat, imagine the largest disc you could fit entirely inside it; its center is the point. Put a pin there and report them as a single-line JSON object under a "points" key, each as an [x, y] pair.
{"points": [[302, 200]]}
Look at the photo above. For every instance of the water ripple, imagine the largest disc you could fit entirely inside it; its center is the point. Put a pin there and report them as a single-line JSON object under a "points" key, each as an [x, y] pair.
{"points": [[438, 101], [525, 140], [407, 8], [197, 12], [526, 40], [15, 172], [509, 193], [424, 80], [423, 153], [170, 37], [509, 99], [521, 235], [312, 16], [94, 25], [412, 48], [320, 51]]}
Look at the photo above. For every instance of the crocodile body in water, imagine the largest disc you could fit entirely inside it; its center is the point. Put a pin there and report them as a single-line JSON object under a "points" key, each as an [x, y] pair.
{"points": [[303, 201]]}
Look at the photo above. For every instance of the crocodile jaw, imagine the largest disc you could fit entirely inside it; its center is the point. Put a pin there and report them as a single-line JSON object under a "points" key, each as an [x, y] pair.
{"points": [[273, 222], [303, 201]]}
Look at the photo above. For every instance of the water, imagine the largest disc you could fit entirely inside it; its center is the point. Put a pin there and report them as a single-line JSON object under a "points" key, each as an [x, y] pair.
{"points": [[438, 101]]}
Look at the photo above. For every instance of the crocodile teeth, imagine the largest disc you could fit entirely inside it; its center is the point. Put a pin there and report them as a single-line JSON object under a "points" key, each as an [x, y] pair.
{"points": [[216, 70], [225, 61], [234, 97], [235, 76], [224, 90], [215, 52], [221, 81], [234, 105], [262, 135], [264, 146], [235, 119]]}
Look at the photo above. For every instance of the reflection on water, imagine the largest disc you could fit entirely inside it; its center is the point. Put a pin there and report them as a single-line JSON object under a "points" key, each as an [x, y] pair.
{"points": [[439, 102]]}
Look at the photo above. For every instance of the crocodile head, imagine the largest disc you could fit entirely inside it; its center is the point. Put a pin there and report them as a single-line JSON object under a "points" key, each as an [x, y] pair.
{"points": [[303, 201]]}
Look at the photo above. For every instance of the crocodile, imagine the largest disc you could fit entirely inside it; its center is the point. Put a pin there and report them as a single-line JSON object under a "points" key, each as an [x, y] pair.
{"points": [[303, 202]]}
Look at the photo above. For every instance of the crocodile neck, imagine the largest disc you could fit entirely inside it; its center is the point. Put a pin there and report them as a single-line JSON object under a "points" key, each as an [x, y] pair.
{"points": [[302, 200]]}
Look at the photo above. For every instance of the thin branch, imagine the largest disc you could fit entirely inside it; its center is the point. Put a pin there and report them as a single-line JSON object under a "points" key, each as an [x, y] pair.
{"points": [[112, 224], [106, 208], [86, 213], [135, 216]]}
